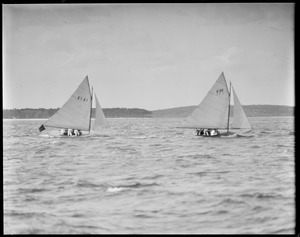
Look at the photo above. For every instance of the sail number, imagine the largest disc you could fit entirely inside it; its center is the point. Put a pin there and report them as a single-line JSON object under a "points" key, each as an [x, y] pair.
{"points": [[82, 99], [220, 91]]}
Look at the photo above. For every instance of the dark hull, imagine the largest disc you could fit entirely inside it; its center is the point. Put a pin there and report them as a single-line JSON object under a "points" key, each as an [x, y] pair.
{"points": [[215, 135], [73, 135]]}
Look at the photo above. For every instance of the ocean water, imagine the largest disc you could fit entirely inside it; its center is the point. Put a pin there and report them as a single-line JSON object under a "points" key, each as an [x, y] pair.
{"points": [[145, 175]]}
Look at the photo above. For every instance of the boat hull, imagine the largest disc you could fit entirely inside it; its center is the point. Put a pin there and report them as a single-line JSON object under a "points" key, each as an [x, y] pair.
{"points": [[203, 135]]}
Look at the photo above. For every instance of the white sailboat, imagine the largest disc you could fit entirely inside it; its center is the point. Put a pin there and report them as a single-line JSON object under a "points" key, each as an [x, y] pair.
{"points": [[214, 110], [76, 113]]}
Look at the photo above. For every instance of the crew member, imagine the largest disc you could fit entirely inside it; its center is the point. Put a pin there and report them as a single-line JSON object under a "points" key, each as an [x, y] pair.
{"points": [[70, 132]]}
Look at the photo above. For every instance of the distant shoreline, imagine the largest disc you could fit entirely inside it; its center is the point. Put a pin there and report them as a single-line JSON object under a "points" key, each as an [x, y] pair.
{"points": [[250, 110], [40, 119], [177, 112]]}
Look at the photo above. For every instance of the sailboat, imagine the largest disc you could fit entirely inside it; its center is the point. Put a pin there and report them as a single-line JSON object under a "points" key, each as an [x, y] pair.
{"points": [[213, 113], [76, 113]]}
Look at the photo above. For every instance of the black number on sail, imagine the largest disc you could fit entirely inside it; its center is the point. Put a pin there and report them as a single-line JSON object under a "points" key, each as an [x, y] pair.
{"points": [[219, 91], [82, 99]]}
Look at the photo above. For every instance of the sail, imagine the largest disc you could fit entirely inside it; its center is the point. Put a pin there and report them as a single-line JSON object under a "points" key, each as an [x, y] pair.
{"points": [[240, 119], [100, 120], [212, 112], [76, 112]]}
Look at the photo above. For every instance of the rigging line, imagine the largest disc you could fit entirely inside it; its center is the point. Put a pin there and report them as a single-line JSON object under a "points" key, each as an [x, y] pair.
{"points": [[91, 110], [229, 108]]}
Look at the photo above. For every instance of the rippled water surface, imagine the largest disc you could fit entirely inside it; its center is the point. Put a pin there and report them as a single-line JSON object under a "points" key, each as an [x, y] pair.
{"points": [[148, 176]]}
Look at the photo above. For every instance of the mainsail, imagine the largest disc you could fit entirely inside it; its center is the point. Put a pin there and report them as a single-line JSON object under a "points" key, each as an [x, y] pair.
{"points": [[240, 119], [100, 120], [212, 112], [76, 112]]}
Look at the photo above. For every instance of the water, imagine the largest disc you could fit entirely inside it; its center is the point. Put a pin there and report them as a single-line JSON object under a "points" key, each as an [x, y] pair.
{"points": [[147, 176]]}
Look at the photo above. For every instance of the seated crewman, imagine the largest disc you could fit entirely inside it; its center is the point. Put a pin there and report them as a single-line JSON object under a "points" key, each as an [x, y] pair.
{"points": [[63, 131], [77, 132], [207, 133], [70, 132]]}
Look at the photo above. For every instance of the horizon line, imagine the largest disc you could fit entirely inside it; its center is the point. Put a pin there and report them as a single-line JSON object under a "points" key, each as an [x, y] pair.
{"points": [[155, 109]]}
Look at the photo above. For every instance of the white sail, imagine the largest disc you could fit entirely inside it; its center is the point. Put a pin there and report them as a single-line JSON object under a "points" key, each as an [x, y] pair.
{"points": [[100, 120], [240, 119], [212, 112], [76, 112]]}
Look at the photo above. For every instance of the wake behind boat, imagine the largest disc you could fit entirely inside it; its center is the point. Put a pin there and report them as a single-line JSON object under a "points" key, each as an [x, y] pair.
{"points": [[74, 117], [213, 113]]}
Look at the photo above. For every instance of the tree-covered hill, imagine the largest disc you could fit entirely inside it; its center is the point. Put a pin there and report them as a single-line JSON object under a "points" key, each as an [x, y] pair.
{"points": [[179, 112], [46, 113], [250, 110]]}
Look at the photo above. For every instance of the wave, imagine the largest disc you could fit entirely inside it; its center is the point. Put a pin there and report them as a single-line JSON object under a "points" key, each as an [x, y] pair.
{"points": [[29, 199], [80, 228], [261, 195], [114, 189], [138, 185], [152, 136], [139, 137], [245, 136], [28, 214], [32, 190], [278, 133], [87, 184], [99, 135], [255, 147], [42, 150], [284, 231], [153, 177], [204, 173], [266, 132], [220, 212], [230, 201], [123, 187], [258, 208], [45, 135], [34, 231], [142, 216], [235, 135]]}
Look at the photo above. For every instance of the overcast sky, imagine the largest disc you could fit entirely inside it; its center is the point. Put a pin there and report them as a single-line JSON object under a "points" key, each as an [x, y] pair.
{"points": [[150, 56]]}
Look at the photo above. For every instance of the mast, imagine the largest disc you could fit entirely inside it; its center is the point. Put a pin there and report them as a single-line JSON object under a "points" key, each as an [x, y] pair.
{"points": [[229, 108], [91, 110]]}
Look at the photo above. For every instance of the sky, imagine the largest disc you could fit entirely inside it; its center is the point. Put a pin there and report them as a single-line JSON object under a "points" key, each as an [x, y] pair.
{"points": [[150, 56]]}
